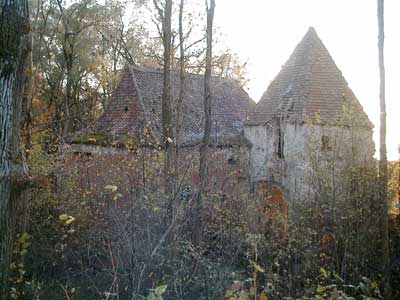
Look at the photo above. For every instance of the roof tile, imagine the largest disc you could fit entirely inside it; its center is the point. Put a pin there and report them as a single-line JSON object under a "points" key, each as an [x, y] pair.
{"points": [[309, 84], [136, 102]]}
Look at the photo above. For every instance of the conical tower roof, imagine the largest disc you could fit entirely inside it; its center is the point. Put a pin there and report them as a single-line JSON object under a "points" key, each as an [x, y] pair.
{"points": [[309, 86]]}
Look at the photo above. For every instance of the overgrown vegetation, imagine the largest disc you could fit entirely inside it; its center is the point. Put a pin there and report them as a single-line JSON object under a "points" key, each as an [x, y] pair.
{"points": [[99, 225], [95, 239]]}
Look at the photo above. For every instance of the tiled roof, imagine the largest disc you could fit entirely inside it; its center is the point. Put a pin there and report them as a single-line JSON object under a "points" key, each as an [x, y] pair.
{"points": [[124, 113], [309, 86], [136, 102]]}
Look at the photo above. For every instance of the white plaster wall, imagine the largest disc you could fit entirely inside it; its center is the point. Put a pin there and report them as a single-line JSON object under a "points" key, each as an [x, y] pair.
{"points": [[303, 155], [261, 151], [302, 148], [347, 143], [295, 181]]}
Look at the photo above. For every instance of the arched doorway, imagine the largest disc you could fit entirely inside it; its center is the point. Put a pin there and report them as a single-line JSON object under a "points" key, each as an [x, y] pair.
{"points": [[274, 211]]}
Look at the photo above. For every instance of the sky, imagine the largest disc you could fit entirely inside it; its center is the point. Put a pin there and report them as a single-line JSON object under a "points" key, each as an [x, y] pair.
{"points": [[265, 32]]}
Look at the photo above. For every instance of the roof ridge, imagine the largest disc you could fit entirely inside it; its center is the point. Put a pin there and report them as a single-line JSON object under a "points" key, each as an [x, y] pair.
{"points": [[311, 33], [147, 119], [303, 47], [160, 71]]}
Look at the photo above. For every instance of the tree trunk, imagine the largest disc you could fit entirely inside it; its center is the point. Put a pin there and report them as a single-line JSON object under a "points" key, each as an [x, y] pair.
{"points": [[67, 48], [383, 160], [203, 169], [27, 102], [14, 49], [68, 94], [181, 88], [168, 138]]}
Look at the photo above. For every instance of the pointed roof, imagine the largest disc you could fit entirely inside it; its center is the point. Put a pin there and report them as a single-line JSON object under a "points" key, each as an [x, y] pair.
{"points": [[309, 85]]}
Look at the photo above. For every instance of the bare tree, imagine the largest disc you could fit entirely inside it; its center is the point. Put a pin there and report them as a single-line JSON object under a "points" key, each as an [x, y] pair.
{"points": [[197, 230], [166, 114], [181, 86], [382, 154], [14, 49], [73, 26]]}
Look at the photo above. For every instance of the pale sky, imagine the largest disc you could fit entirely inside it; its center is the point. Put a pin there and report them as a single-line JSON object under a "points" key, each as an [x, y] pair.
{"points": [[265, 32]]}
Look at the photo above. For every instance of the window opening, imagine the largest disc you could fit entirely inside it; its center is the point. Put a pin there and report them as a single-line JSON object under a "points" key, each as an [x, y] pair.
{"points": [[325, 143]]}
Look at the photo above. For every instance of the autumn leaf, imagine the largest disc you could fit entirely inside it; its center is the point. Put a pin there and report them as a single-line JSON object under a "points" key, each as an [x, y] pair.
{"points": [[117, 196], [24, 237], [70, 220], [161, 290], [257, 267], [228, 293], [324, 272], [374, 285], [63, 217], [242, 295], [26, 245], [110, 187], [321, 289], [263, 296]]}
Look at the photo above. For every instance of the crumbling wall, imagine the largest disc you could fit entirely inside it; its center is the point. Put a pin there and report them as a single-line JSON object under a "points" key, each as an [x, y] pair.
{"points": [[316, 150], [261, 151], [307, 147], [140, 172]]}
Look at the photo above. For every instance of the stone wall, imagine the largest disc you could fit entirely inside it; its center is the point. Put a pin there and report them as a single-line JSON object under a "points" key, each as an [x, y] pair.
{"points": [[261, 151], [140, 172], [307, 149], [328, 152]]}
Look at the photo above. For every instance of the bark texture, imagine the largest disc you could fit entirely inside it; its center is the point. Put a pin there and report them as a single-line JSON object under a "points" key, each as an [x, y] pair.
{"points": [[14, 49], [203, 169], [182, 80], [168, 135]]}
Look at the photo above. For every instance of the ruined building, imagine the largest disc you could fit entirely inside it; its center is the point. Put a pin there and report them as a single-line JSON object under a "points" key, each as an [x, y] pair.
{"points": [[307, 116], [130, 129]]}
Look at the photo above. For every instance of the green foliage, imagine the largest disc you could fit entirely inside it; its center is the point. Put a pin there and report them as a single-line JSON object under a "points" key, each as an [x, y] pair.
{"points": [[91, 138], [393, 187], [331, 286], [157, 293]]}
